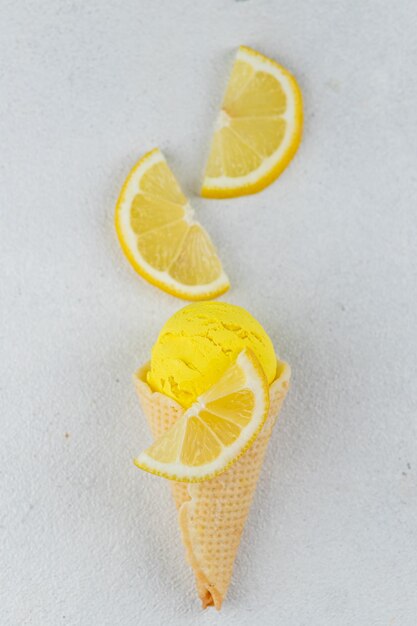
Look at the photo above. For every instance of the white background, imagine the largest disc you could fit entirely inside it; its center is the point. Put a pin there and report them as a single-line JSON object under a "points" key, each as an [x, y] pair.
{"points": [[325, 258]]}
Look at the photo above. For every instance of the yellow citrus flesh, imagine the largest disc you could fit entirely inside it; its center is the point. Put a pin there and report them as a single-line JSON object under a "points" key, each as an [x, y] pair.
{"points": [[161, 238], [216, 430], [258, 129]]}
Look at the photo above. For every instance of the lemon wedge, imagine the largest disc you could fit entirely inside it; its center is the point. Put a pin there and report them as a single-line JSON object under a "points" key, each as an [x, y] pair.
{"points": [[216, 430], [258, 129], [160, 237]]}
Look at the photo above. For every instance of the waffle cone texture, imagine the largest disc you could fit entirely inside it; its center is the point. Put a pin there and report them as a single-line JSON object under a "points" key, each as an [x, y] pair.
{"points": [[212, 514]]}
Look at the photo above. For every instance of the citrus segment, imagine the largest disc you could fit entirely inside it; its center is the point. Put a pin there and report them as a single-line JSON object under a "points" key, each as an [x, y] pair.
{"points": [[258, 129], [160, 237]]}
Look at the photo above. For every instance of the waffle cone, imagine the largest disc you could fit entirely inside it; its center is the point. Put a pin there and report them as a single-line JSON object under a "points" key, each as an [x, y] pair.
{"points": [[212, 514]]}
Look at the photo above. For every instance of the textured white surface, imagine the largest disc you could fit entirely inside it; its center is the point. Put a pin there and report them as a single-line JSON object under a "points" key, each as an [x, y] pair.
{"points": [[326, 258]]}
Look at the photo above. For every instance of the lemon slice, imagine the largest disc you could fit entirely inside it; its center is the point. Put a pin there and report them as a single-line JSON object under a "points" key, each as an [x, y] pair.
{"points": [[216, 430], [258, 129], [160, 237]]}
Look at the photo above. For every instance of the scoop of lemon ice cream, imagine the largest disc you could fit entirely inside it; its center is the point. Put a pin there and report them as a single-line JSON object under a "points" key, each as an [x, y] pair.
{"points": [[197, 345]]}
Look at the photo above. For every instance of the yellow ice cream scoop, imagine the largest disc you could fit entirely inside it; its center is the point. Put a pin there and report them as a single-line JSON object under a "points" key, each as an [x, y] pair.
{"points": [[197, 345]]}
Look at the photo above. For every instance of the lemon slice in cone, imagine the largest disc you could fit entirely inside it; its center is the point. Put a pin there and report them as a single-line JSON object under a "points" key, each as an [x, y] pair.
{"points": [[216, 430]]}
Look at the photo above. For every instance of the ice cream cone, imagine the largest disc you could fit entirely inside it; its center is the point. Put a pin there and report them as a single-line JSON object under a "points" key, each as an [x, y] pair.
{"points": [[212, 514]]}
